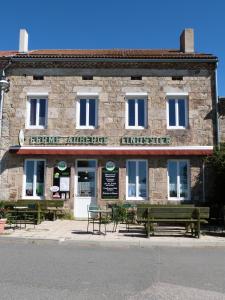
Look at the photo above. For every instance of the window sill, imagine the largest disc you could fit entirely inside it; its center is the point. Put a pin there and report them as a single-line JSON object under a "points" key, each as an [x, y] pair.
{"points": [[36, 127], [136, 199], [33, 198], [178, 199], [86, 127], [135, 128], [177, 128]]}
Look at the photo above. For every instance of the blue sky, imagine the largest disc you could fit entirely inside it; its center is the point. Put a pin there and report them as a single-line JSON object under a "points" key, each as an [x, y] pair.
{"points": [[99, 24]]}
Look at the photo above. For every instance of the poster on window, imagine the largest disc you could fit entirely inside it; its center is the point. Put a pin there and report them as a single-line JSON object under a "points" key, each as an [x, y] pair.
{"points": [[64, 184], [110, 183]]}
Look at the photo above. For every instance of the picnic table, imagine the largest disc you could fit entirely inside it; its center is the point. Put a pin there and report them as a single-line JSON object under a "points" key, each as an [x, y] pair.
{"points": [[190, 217]]}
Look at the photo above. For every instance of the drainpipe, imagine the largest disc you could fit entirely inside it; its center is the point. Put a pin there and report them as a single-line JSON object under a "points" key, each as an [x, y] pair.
{"points": [[217, 111], [4, 88], [203, 181]]}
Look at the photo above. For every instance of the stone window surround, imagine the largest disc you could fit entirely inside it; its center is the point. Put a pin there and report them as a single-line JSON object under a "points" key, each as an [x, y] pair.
{"points": [[86, 96], [37, 96], [177, 96], [178, 180], [136, 96], [24, 179]]}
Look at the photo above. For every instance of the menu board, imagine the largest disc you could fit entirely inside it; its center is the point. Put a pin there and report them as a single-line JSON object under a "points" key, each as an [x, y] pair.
{"points": [[110, 183]]}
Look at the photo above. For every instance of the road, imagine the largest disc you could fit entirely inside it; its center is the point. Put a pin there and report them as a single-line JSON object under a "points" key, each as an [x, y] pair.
{"points": [[50, 270]]}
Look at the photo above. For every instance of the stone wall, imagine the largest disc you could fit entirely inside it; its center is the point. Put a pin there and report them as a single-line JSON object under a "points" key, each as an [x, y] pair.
{"points": [[62, 91], [63, 86], [12, 171]]}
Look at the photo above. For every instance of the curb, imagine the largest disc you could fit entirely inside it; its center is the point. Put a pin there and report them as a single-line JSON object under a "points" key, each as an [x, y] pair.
{"points": [[114, 243]]}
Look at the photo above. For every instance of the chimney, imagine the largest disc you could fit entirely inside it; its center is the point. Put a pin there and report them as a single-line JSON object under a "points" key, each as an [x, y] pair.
{"points": [[187, 41], [23, 44]]}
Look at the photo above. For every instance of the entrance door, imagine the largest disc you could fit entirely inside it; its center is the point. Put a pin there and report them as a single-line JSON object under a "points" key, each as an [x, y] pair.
{"points": [[85, 187]]}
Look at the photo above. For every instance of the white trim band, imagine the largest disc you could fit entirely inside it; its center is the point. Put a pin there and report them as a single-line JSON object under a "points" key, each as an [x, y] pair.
{"points": [[113, 148], [144, 94], [177, 94], [87, 94], [37, 94]]}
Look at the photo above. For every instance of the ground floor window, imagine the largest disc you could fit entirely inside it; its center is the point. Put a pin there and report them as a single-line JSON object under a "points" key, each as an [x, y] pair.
{"points": [[136, 179], [86, 178], [34, 178], [178, 171]]}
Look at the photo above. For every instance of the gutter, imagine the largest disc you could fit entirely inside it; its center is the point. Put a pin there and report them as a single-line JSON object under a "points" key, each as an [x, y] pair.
{"points": [[118, 60]]}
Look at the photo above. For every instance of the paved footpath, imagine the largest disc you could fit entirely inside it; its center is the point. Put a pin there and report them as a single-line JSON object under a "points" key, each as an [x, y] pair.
{"points": [[76, 231]]}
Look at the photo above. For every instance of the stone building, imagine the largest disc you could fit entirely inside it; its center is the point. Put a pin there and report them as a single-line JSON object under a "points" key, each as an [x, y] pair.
{"points": [[105, 126], [221, 117]]}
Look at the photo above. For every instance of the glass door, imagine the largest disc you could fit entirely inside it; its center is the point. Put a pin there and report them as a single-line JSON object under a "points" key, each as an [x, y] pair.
{"points": [[85, 186]]}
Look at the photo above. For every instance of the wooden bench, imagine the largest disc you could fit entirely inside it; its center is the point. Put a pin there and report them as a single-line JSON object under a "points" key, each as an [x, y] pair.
{"points": [[188, 216], [41, 210]]}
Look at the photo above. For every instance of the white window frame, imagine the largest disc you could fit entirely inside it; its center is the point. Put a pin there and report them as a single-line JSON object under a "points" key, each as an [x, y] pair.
{"points": [[176, 98], [35, 179], [136, 98], [38, 98], [87, 126], [178, 180], [137, 180], [91, 169]]}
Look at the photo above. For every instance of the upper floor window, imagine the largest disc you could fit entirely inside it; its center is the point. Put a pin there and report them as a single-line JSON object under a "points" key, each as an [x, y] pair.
{"points": [[37, 113], [87, 113], [177, 114], [136, 113]]}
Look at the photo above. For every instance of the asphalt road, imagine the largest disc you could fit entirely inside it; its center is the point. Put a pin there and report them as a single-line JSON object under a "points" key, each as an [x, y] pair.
{"points": [[45, 270]]}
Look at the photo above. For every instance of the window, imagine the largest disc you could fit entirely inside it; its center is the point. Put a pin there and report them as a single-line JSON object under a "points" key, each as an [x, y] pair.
{"points": [[87, 113], [178, 179], [136, 77], [86, 178], [34, 178], [136, 113], [37, 113], [136, 180], [38, 77], [87, 77], [177, 113]]}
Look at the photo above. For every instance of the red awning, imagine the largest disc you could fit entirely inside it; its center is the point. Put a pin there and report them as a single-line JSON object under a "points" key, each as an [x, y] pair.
{"points": [[111, 152]]}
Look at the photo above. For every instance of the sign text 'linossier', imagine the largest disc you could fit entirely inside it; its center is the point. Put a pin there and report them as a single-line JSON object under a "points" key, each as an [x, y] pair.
{"points": [[98, 140], [145, 140]]}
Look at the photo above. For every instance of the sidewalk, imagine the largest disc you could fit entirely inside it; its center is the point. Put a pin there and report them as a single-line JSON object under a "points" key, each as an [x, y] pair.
{"points": [[76, 231]]}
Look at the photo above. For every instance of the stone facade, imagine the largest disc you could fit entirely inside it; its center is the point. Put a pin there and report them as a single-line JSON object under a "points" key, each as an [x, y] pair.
{"points": [[62, 95], [62, 86]]}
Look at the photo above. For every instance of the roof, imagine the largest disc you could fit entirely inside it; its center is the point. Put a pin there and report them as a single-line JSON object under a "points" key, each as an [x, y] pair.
{"points": [[110, 53]]}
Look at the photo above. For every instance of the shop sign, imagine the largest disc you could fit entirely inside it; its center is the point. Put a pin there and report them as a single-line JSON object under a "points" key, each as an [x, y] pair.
{"points": [[145, 140], [68, 140], [62, 165], [110, 181], [54, 189]]}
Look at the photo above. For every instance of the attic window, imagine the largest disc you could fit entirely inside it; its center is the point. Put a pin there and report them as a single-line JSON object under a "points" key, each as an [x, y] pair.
{"points": [[38, 77], [87, 77], [177, 77], [136, 77]]}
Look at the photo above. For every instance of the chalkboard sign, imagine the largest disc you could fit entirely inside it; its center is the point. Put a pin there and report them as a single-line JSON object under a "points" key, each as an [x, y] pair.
{"points": [[110, 183]]}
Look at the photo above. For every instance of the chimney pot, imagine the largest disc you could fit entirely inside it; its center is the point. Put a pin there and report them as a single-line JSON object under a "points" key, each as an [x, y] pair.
{"points": [[23, 45], [187, 41]]}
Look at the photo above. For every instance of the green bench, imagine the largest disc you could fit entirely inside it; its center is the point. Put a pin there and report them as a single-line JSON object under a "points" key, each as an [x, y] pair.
{"points": [[188, 216], [36, 212]]}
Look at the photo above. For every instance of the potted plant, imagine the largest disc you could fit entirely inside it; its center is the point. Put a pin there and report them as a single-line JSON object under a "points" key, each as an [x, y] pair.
{"points": [[3, 219]]}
